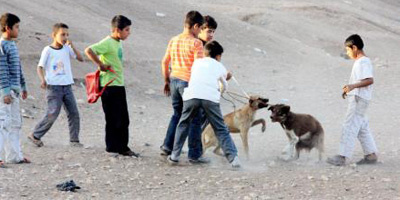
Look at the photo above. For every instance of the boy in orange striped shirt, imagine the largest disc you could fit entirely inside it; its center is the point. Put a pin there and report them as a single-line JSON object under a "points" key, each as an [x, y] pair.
{"points": [[182, 50]]}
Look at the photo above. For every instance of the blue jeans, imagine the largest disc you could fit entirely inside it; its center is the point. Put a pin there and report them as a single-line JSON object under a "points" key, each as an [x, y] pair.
{"points": [[195, 147], [191, 108], [58, 96]]}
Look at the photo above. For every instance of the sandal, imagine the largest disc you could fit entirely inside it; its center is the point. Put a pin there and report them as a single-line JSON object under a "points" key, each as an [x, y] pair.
{"points": [[24, 161], [35, 141]]}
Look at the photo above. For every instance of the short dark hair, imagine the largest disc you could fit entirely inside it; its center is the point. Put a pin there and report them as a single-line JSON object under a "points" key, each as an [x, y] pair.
{"points": [[194, 17], [354, 40], [120, 22], [59, 26], [209, 22], [213, 49], [8, 20]]}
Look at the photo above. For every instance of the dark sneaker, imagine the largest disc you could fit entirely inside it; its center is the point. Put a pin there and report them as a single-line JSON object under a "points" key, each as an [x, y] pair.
{"points": [[201, 160], [172, 162], [337, 160], [164, 152], [368, 159], [130, 153]]}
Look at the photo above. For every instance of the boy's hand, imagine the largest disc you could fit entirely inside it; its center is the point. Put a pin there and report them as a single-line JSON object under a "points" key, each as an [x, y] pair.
{"points": [[104, 67], [7, 99], [167, 90], [24, 95], [348, 88], [43, 84], [229, 76], [68, 42]]}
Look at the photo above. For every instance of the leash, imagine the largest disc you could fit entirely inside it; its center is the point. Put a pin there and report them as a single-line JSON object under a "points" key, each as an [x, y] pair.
{"points": [[237, 83], [233, 103], [236, 94]]}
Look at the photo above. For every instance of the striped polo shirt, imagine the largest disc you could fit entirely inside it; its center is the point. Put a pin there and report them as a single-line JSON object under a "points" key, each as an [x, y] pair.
{"points": [[182, 50]]}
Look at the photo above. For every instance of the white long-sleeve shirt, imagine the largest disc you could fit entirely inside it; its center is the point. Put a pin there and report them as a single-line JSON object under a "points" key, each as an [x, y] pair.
{"points": [[206, 76]]}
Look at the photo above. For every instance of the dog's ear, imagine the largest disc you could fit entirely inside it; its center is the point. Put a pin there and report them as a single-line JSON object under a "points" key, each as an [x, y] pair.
{"points": [[285, 109], [271, 107]]}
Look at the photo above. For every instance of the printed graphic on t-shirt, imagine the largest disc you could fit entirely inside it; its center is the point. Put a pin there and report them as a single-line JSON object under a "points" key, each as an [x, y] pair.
{"points": [[58, 69]]}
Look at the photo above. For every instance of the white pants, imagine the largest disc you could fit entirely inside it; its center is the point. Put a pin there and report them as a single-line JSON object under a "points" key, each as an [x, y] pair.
{"points": [[356, 125], [10, 130]]}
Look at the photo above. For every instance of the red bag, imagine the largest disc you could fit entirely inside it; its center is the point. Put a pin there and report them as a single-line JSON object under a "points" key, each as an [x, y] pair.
{"points": [[93, 85]]}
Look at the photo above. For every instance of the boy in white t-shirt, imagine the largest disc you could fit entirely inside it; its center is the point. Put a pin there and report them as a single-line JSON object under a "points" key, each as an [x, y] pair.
{"points": [[54, 71], [204, 92], [359, 92]]}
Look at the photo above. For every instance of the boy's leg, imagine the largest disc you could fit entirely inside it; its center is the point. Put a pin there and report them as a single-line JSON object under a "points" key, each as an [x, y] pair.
{"points": [[5, 118], [214, 116], [72, 113], [352, 126], [176, 86], [190, 109], [194, 139], [117, 119], [54, 102], [13, 146], [365, 136]]}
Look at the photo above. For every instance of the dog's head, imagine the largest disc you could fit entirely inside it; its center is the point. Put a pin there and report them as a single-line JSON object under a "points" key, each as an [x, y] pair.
{"points": [[279, 112], [257, 102]]}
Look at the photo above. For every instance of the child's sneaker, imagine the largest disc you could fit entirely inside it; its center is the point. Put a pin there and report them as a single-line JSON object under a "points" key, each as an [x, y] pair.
{"points": [[201, 160], [164, 152], [76, 144], [172, 162], [337, 160], [236, 162], [368, 159]]}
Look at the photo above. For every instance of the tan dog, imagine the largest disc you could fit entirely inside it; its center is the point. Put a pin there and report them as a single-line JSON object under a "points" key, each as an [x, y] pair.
{"points": [[238, 121]]}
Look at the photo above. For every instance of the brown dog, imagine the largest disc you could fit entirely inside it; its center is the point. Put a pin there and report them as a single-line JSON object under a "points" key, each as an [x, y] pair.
{"points": [[238, 121], [302, 130]]}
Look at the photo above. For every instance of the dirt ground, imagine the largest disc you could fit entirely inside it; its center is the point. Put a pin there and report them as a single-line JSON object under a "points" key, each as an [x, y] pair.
{"points": [[289, 51]]}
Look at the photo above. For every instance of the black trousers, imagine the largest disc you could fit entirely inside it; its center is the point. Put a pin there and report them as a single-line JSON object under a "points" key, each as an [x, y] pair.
{"points": [[116, 113]]}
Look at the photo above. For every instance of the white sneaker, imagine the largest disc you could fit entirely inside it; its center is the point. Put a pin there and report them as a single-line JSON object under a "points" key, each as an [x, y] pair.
{"points": [[236, 162]]}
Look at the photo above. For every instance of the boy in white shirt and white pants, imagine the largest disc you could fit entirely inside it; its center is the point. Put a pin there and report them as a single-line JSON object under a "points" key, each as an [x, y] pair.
{"points": [[204, 92], [359, 92]]}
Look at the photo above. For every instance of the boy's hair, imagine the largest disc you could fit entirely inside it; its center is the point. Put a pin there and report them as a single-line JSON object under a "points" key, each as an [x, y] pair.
{"points": [[209, 22], [194, 17], [59, 26], [354, 40], [120, 22], [213, 49], [8, 20]]}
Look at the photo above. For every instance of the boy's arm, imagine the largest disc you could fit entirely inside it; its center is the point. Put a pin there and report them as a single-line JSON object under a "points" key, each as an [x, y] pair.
{"points": [[23, 84], [93, 57], [40, 73], [363, 83], [224, 84], [77, 53], [165, 63], [4, 77], [165, 69], [198, 50]]}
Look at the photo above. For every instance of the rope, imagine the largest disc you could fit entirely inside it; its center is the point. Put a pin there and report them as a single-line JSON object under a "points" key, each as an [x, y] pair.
{"points": [[236, 94], [237, 83]]}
